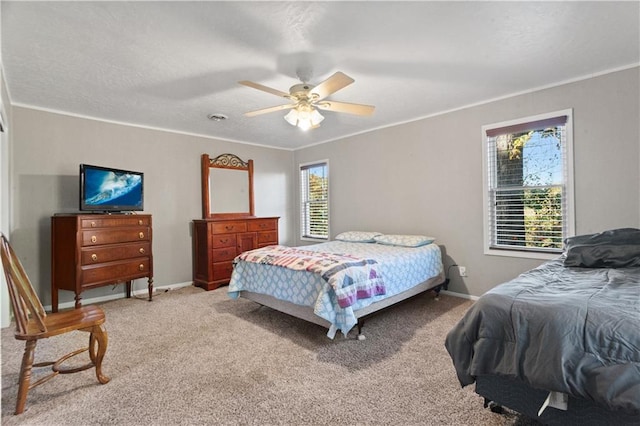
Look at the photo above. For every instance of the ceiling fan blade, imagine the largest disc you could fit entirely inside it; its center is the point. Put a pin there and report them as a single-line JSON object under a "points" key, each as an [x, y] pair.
{"points": [[357, 109], [331, 85], [264, 88], [267, 110]]}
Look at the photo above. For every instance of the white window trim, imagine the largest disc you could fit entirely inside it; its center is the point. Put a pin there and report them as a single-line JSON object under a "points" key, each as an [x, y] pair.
{"points": [[300, 236], [569, 186]]}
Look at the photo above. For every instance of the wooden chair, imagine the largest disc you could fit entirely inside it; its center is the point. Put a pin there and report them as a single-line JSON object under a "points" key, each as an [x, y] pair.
{"points": [[32, 324]]}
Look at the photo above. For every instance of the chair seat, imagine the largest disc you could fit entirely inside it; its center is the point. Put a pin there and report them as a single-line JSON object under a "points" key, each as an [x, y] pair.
{"points": [[63, 322]]}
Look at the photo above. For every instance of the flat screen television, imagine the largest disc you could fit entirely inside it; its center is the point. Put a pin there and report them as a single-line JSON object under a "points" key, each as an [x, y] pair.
{"points": [[109, 190]]}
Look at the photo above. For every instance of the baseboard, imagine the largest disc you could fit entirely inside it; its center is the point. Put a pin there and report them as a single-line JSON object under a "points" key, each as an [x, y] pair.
{"points": [[161, 289], [461, 295], [142, 292]]}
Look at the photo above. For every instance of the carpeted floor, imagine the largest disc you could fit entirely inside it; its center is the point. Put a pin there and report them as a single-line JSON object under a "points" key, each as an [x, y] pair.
{"points": [[192, 357]]}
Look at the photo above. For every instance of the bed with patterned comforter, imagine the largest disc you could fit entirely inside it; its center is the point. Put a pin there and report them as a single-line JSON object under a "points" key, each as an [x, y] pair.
{"points": [[335, 278]]}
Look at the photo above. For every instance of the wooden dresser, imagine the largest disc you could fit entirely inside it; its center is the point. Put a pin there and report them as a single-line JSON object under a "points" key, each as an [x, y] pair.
{"points": [[94, 250], [218, 241]]}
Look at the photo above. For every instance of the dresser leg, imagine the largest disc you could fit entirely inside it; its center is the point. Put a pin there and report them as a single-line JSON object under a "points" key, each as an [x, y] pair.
{"points": [[128, 289], [150, 288], [54, 300], [78, 303]]}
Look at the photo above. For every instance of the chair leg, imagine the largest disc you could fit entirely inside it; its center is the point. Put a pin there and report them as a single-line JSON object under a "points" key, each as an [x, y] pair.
{"points": [[25, 375], [98, 338]]}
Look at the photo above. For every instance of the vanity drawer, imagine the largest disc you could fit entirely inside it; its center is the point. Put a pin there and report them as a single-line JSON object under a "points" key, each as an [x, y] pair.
{"points": [[224, 240], [225, 253], [222, 270], [95, 255], [229, 227], [263, 225], [269, 237], [96, 237], [115, 272]]}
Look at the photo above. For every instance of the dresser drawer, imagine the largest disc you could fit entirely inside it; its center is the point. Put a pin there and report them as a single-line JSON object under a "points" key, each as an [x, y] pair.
{"points": [[94, 255], [111, 236], [115, 271], [222, 270], [269, 237], [225, 253], [224, 240], [114, 221], [229, 227], [263, 225]]}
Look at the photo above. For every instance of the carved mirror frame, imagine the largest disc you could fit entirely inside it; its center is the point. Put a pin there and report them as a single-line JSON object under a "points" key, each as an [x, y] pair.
{"points": [[230, 162]]}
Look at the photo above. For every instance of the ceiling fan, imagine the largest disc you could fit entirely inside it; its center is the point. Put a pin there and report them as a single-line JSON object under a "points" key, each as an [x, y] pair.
{"points": [[306, 99]]}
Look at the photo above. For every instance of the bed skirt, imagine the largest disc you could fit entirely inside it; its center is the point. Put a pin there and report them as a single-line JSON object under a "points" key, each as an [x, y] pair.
{"points": [[518, 396], [306, 312]]}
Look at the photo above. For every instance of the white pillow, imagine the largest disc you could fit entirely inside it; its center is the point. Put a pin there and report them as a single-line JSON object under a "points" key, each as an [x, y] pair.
{"points": [[404, 240], [357, 236]]}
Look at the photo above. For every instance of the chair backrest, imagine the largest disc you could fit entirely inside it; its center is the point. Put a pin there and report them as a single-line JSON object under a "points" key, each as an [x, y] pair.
{"points": [[24, 300]]}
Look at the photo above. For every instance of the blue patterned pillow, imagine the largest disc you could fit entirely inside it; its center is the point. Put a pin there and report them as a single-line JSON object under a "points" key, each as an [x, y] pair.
{"points": [[358, 236], [404, 240]]}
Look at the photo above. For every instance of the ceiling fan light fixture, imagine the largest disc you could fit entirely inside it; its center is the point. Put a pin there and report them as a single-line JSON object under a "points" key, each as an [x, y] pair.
{"points": [[304, 119], [305, 98]]}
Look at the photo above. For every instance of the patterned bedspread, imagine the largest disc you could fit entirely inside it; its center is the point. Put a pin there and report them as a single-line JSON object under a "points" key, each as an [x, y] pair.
{"points": [[351, 277], [401, 267]]}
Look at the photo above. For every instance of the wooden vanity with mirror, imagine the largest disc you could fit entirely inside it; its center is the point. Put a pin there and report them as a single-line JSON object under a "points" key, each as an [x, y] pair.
{"points": [[228, 226]]}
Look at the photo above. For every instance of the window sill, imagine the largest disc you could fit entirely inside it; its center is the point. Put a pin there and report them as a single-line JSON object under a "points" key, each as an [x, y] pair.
{"points": [[521, 253], [315, 240]]}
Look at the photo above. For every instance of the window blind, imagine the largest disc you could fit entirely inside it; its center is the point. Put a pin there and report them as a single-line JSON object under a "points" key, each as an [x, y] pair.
{"points": [[528, 126], [527, 173], [314, 196]]}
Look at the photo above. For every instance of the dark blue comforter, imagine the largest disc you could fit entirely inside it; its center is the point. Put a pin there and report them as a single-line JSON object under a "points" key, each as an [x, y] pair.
{"points": [[557, 328]]}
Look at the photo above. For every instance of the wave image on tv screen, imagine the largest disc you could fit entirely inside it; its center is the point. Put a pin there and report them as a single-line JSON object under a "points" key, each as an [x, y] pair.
{"points": [[103, 187]]}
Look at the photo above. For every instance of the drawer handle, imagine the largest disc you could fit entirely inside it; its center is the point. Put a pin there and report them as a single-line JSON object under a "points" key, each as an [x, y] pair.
{"points": [[225, 241], [141, 235], [94, 238], [141, 267], [93, 224], [229, 227], [141, 250], [263, 225], [140, 222], [94, 257]]}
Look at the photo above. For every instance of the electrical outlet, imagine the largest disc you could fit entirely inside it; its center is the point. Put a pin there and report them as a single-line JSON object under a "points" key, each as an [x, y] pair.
{"points": [[462, 270]]}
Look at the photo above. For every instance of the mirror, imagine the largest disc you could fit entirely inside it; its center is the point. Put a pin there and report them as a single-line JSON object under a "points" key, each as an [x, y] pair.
{"points": [[227, 187]]}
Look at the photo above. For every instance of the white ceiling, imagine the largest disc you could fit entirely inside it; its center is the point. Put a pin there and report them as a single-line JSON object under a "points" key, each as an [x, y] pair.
{"points": [[168, 64]]}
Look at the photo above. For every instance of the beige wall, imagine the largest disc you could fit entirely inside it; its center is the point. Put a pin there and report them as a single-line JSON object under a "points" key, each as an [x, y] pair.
{"points": [[420, 177], [4, 193], [426, 176], [47, 151]]}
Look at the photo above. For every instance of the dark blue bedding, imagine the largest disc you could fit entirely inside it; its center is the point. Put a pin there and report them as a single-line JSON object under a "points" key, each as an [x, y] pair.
{"points": [[574, 330]]}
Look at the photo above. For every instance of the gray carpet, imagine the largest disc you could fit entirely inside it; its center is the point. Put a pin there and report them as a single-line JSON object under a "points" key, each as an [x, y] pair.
{"points": [[193, 357]]}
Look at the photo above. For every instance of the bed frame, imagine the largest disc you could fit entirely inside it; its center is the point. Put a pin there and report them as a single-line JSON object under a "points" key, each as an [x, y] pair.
{"points": [[500, 391], [306, 313]]}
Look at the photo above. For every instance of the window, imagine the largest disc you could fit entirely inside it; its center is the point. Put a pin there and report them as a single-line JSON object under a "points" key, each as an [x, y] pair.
{"points": [[314, 196], [528, 185]]}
